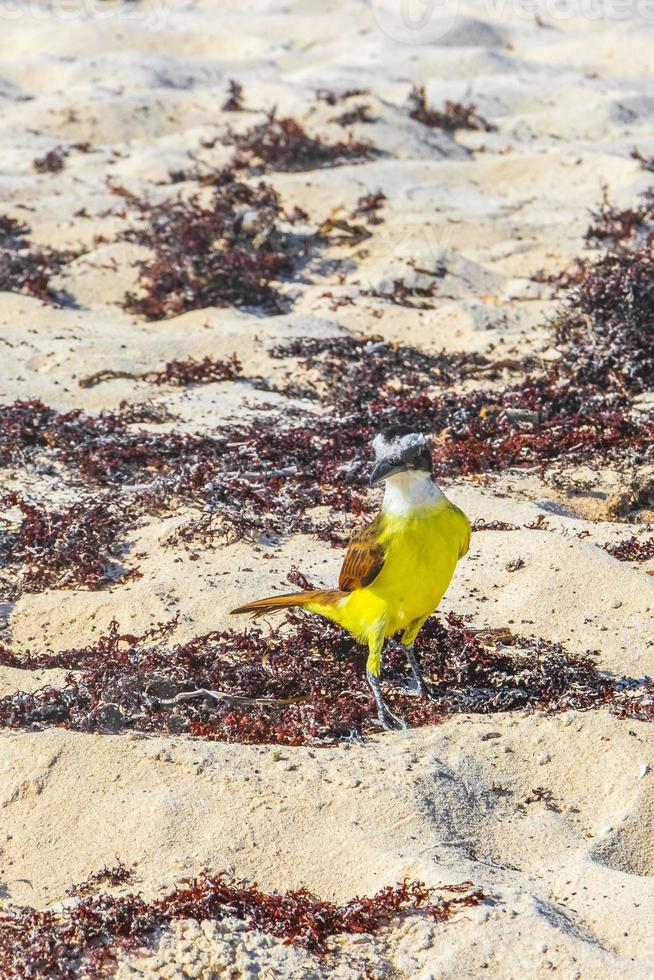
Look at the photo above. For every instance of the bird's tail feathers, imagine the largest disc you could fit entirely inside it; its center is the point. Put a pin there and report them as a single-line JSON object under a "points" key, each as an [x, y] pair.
{"points": [[276, 602]]}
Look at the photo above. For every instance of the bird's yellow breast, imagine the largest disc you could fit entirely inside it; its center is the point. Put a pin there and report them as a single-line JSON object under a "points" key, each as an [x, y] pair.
{"points": [[421, 553]]}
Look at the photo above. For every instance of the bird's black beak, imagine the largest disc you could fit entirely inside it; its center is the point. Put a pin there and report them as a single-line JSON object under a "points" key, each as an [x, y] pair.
{"points": [[385, 468]]}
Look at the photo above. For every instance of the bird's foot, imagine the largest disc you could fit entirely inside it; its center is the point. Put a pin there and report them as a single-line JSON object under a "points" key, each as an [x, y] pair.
{"points": [[391, 722], [415, 688], [385, 717]]}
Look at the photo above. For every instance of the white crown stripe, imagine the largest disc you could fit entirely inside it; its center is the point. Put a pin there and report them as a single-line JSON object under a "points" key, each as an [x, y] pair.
{"points": [[387, 447]]}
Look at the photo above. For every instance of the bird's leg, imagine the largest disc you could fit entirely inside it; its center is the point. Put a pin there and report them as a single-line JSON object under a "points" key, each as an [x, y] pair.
{"points": [[408, 637], [420, 688], [387, 719]]}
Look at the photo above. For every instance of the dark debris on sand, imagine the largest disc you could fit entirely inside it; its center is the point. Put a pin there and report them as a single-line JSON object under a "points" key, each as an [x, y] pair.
{"points": [[114, 876], [573, 411], [304, 684], [72, 547], [631, 549], [453, 115], [607, 328], [282, 144], [84, 940], [224, 251], [578, 409], [235, 101], [27, 268], [180, 373]]}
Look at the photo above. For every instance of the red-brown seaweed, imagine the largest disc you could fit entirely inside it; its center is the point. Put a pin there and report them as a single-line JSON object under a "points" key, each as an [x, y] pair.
{"points": [[310, 686], [453, 115], [83, 940]]}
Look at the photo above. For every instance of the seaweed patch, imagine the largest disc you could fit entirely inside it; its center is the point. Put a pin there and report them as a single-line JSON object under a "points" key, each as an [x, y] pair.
{"points": [[646, 163], [27, 268], [631, 549], [304, 684], [333, 98], [453, 115], [606, 328], [402, 294], [612, 225], [117, 874], [356, 114], [54, 160], [224, 251], [84, 940], [282, 144], [369, 205], [180, 372], [577, 409], [235, 101], [74, 547]]}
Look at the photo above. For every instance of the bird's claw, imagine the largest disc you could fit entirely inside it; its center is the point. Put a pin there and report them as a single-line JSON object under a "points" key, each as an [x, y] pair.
{"points": [[386, 718], [391, 722], [419, 687], [415, 689]]}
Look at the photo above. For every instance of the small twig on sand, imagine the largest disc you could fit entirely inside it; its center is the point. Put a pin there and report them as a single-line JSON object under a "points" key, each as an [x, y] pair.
{"points": [[234, 699], [93, 379]]}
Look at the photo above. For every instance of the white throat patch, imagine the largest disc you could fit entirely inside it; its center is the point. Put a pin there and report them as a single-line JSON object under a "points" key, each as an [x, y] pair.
{"points": [[410, 492]]}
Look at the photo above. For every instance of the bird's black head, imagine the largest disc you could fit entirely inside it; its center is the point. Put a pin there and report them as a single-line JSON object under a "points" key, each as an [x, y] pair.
{"points": [[399, 450]]}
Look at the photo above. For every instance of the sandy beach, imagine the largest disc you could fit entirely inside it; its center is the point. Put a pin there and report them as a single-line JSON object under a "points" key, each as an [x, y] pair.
{"points": [[109, 114]]}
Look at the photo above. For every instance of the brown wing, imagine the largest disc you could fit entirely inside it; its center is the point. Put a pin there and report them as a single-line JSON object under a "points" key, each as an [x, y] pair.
{"points": [[364, 559]]}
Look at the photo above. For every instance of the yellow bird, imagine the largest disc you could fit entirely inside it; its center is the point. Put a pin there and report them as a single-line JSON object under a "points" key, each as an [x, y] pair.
{"points": [[398, 568]]}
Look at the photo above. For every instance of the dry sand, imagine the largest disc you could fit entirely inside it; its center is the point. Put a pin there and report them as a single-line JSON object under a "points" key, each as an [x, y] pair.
{"points": [[571, 888]]}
